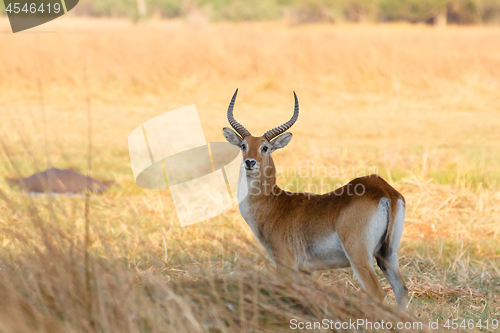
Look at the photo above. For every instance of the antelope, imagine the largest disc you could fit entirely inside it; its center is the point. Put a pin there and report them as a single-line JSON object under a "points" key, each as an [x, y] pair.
{"points": [[308, 232]]}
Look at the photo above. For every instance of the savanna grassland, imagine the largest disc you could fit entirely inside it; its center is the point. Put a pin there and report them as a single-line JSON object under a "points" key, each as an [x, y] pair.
{"points": [[418, 105]]}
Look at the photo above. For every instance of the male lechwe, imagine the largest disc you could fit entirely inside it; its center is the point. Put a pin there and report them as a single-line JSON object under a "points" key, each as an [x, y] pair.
{"points": [[347, 227]]}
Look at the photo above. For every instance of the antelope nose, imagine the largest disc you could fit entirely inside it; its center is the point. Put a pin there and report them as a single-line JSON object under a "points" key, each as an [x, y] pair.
{"points": [[250, 163]]}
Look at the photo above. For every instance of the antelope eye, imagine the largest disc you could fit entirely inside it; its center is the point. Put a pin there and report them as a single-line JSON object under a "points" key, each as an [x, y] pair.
{"points": [[242, 147], [264, 149]]}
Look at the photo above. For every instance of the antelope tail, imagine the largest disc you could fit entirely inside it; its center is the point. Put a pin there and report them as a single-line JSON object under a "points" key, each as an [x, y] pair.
{"points": [[392, 213]]}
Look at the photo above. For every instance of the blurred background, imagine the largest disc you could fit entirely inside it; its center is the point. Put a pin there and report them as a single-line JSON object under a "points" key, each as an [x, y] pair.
{"points": [[407, 89]]}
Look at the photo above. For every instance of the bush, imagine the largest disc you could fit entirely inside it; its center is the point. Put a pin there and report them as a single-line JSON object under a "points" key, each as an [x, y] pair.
{"points": [[166, 8], [411, 10], [489, 11], [463, 12], [242, 10]]}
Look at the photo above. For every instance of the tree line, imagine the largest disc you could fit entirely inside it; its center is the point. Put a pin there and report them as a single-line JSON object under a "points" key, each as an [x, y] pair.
{"points": [[439, 12]]}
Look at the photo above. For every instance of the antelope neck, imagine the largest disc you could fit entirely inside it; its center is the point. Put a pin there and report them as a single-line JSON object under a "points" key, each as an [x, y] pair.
{"points": [[265, 185]]}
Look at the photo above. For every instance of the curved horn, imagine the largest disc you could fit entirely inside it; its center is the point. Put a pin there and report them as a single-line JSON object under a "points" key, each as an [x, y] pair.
{"points": [[242, 131], [269, 135]]}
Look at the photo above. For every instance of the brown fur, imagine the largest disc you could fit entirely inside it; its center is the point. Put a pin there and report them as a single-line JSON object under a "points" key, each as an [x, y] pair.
{"points": [[289, 224], [305, 222]]}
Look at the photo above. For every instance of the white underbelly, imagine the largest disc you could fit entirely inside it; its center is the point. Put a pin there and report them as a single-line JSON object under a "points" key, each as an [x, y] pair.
{"points": [[327, 253]]}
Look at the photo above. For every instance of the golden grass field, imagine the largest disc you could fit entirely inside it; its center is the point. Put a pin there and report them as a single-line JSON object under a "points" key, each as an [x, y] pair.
{"points": [[419, 104]]}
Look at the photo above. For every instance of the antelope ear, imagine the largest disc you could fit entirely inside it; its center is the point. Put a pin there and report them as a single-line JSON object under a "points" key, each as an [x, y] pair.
{"points": [[281, 141], [231, 136]]}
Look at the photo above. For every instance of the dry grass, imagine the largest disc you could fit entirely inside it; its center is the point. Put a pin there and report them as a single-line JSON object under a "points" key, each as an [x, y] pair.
{"points": [[419, 104]]}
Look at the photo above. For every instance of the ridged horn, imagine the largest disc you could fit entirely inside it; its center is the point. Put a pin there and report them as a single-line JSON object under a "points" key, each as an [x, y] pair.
{"points": [[242, 131], [269, 135]]}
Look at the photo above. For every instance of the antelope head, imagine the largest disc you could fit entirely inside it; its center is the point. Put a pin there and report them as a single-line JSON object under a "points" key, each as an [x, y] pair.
{"points": [[257, 161]]}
